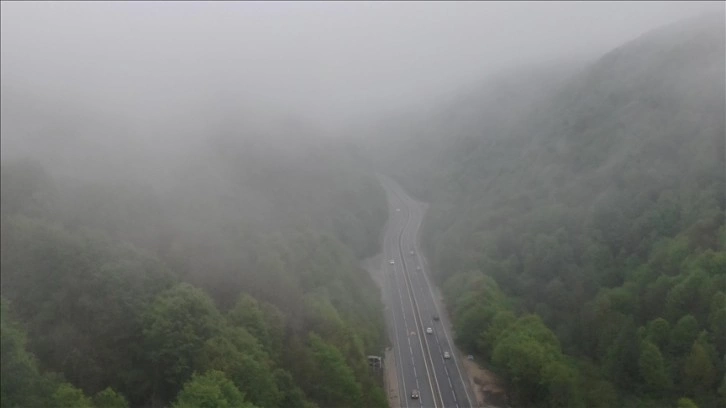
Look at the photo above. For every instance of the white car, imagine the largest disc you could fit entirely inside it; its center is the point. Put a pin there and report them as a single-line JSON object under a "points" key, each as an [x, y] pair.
{"points": [[391, 262], [429, 330], [414, 394], [418, 267], [447, 355], [398, 209], [412, 252]]}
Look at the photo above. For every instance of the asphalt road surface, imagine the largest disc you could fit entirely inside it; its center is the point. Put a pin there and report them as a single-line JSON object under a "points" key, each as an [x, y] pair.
{"points": [[410, 308]]}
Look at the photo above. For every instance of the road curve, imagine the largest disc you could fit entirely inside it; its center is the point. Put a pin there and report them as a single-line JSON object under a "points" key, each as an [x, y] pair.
{"points": [[410, 306]]}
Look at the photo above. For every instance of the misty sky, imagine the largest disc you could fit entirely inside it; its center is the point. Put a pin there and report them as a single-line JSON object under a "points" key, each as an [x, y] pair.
{"points": [[325, 61]]}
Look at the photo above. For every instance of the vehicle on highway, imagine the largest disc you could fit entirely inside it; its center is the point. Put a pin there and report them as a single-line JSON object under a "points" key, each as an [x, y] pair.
{"points": [[447, 355], [470, 357], [418, 268], [414, 394], [436, 318], [398, 209], [391, 262], [429, 330], [412, 252]]}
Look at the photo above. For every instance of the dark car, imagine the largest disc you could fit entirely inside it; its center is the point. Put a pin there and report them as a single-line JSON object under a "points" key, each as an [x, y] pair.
{"points": [[436, 318]]}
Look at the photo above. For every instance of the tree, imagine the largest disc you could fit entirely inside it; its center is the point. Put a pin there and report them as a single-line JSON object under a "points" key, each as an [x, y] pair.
{"points": [[601, 394], [717, 324], [19, 371], [501, 322], [722, 391], [686, 403], [621, 360], [21, 384], [246, 313], [562, 386], [683, 334], [176, 326], [210, 390], [521, 359], [291, 395], [470, 325], [69, 396], [653, 369], [699, 374], [658, 332], [334, 382], [108, 398]]}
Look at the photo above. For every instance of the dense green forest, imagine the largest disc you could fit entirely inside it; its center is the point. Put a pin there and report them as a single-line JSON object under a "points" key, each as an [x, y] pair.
{"points": [[234, 283], [577, 222]]}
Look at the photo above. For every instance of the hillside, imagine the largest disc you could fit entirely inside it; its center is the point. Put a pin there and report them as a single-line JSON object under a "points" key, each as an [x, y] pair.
{"points": [[577, 225], [227, 273]]}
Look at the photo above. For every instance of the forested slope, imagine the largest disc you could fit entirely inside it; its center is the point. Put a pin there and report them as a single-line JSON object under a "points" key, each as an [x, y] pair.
{"points": [[581, 245], [229, 280]]}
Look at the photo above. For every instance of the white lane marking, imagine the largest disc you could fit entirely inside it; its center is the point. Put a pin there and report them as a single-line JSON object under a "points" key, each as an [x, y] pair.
{"points": [[410, 349], [409, 284], [417, 312], [399, 359], [436, 307]]}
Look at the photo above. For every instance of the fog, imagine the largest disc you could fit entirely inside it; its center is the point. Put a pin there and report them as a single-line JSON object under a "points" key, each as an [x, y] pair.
{"points": [[89, 87], [327, 62], [201, 203]]}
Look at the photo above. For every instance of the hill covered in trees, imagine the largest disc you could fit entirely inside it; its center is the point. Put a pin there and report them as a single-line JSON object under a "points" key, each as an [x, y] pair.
{"points": [[577, 222], [226, 277]]}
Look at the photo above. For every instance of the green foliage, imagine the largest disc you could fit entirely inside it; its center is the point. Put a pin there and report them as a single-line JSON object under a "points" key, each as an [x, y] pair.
{"points": [[290, 394], [332, 383], [176, 327], [686, 403], [562, 386], [683, 334], [658, 332], [722, 391], [529, 356], [601, 394], [595, 202], [80, 297], [699, 373], [499, 324], [88, 267], [247, 314], [469, 326], [246, 366], [210, 390], [108, 398], [67, 395], [21, 384], [653, 370]]}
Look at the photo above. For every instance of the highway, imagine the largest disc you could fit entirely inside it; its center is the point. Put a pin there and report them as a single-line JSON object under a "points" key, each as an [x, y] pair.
{"points": [[410, 306]]}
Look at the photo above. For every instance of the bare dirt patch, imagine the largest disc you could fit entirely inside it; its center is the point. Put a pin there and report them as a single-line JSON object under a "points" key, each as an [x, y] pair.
{"points": [[487, 387]]}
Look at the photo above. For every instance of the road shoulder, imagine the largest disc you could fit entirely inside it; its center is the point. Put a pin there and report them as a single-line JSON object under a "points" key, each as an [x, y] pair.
{"points": [[374, 266]]}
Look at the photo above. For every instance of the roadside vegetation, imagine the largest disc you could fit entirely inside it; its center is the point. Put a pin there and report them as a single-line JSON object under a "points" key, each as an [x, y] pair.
{"points": [[577, 223]]}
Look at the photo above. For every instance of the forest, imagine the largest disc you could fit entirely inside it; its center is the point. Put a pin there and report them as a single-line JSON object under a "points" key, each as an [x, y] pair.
{"points": [[235, 285], [187, 191], [577, 222]]}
